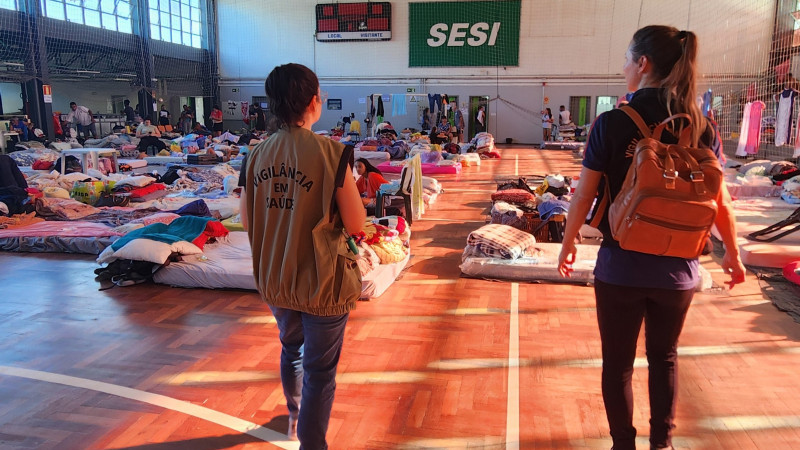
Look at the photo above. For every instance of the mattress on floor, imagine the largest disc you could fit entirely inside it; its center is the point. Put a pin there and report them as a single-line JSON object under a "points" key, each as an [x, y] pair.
{"points": [[164, 160], [374, 158], [427, 169], [56, 244], [754, 214], [134, 163], [52, 236], [229, 265], [544, 267], [541, 267]]}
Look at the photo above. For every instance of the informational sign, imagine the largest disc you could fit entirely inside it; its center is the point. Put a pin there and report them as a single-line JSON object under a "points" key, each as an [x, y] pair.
{"points": [[411, 89], [414, 99], [335, 103], [47, 93], [354, 21], [475, 34]]}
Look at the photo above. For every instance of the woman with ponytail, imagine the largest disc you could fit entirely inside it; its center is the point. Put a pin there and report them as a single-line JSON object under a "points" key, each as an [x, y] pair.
{"points": [[632, 287]]}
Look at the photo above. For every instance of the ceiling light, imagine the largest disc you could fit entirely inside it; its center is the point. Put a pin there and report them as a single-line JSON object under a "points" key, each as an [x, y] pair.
{"points": [[87, 71]]}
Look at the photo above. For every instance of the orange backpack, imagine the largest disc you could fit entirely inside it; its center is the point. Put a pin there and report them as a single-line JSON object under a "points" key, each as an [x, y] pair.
{"points": [[668, 201]]}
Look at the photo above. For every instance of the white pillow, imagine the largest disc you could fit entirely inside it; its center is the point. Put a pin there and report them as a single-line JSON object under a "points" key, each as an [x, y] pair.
{"points": [[148, 250], [139, 180]]}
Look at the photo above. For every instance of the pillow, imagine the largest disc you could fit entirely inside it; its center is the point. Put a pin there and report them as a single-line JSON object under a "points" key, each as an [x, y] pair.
{"points": [[148, 250], [163, 217], [55, 192], [139, 180], [501, 241], [513, 196]]}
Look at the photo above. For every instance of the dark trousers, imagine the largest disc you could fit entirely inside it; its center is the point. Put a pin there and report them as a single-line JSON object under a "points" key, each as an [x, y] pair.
{"points": [[150, 141], [620, 312], [311, 349]]}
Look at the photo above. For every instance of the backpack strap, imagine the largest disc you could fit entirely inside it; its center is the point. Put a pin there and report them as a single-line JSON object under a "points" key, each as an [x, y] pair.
{"points": [[645, 130]]}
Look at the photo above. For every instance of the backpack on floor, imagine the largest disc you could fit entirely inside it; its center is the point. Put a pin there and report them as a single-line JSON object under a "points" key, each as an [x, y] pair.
{"points": [[668, 201]]}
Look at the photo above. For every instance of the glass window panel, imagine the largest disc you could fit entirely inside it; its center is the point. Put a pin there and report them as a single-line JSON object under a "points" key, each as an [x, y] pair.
{"points": [[196, 42], [155, 32], [74, 14], [123, 9], [164, 19], [176, 22], [92, 18], [186, 25], [74, 2], [195, 28], [174, 7], [196, 14], [165, 33], [163, 6], [8, 4], [55, 9], [107, 6], [153, 16], [124, 25], [195, 3], [176, 37], [109, 22], [187, 39], [91, 4]]}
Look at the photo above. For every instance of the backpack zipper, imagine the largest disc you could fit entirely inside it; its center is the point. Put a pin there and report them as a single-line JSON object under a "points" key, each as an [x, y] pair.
{"points": [[663, 223]]}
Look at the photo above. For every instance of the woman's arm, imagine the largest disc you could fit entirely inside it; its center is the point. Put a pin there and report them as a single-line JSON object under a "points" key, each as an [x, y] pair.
{"points": [[579, 207], [243, 209], [350, 206], [726, 225]]}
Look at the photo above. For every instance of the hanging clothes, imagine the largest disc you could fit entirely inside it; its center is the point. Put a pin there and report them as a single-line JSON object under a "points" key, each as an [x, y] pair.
{"points": [[797, 140], [783, 124], [707, 98], [379, 113], [754, 133], [740, 149], [398, 105]]}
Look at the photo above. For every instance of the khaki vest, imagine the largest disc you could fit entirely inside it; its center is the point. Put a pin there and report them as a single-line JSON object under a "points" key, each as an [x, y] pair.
{"points": [[300, 258]]}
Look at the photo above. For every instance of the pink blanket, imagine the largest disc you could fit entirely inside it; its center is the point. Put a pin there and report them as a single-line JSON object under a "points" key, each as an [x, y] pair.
{"points": [[56, 228], [427, 169]]}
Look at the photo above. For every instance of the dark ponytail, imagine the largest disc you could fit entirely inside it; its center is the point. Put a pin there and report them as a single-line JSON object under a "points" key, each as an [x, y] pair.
{"points": [[290, 88], [673, 54]]}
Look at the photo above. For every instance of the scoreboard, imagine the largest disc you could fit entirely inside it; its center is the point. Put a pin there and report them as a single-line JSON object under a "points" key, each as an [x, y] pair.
{"points": [[354, 21]]}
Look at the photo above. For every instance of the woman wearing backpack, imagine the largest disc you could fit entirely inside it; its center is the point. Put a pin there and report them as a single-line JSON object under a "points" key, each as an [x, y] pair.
{"points": [[631, 287]]}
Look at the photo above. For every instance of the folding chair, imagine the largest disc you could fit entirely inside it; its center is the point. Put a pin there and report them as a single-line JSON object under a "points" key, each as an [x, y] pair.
{"points": [[403, 191]]}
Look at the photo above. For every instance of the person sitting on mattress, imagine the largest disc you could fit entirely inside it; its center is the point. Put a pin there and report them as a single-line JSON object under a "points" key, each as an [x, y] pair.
{"points": [[300, 207], [370, 181], [148, 135]]}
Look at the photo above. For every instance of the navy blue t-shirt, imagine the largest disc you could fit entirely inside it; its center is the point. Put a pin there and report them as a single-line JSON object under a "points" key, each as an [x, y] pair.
{"points": [[610, 147]]}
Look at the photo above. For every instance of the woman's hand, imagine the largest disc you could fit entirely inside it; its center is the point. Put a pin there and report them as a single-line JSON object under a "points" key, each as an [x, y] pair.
{"points": [[566, 258], [732, 265]]}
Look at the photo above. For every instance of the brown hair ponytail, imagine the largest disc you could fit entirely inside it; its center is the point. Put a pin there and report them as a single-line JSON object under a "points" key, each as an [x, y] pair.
{"points": [[673, 54]]}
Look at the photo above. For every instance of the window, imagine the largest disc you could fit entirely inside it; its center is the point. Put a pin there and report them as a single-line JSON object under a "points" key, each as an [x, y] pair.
{"points": [[112, 15], [579, 110], [9, 4], [604, 103], [176, 21]]}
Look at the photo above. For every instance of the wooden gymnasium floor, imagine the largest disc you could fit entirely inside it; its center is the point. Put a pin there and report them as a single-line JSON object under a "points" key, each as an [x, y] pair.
{"points": [[439, 361]]}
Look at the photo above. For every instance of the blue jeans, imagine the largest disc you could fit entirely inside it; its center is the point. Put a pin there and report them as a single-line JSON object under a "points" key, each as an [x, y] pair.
{"points": [[86, 129], [311, 348]]}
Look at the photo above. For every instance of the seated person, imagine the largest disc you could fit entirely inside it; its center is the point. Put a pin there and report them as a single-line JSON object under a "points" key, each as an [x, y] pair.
{"points": [[446, 131], [369, 182], [149, 136], [435, 137], [201, 130], [20, 127]]}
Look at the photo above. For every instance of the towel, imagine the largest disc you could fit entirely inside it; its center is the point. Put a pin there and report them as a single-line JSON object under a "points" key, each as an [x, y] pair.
{"points": [[398, 105]]}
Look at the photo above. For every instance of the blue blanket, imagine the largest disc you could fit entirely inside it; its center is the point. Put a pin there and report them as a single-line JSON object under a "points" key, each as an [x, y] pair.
{"points": [[186, 228]]}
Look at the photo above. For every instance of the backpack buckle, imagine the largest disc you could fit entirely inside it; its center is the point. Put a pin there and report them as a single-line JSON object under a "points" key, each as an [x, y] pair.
{"points": [[670, 176], [697, 176]]}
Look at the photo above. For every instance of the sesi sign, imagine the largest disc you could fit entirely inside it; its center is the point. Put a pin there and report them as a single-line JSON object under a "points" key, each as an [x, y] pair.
{"points": [[476, 33], [459, 31]]}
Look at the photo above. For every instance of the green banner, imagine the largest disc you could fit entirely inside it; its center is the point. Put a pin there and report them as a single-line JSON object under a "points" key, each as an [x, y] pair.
{"points": [[448, 34]]}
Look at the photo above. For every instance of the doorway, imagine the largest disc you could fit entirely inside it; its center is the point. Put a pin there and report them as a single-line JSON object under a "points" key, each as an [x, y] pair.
{"points": [[475, 102]]}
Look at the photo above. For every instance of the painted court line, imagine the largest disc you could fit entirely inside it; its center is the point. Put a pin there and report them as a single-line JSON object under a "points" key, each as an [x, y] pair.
{"points": [[512, 409], [201, 412]]}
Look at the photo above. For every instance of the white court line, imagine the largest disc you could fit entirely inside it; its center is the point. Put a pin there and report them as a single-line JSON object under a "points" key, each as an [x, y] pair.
{"points": [[512, 409], [516, 165], [201, 412]]}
